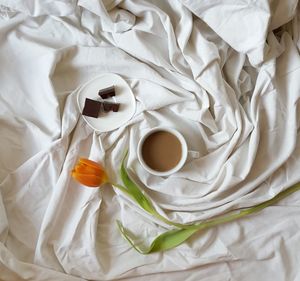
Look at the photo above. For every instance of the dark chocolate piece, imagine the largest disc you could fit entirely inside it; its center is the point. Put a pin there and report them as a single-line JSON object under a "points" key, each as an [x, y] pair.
{"points": [[107, 106], [107, 92], [91, 108], [115, 107]]}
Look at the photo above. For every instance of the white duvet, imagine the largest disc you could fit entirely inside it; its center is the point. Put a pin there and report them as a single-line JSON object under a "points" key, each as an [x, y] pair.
{"points": [[226, 74]]}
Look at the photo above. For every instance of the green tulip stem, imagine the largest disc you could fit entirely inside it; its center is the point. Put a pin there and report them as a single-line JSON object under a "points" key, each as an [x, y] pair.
{"points": [[174, 237]]}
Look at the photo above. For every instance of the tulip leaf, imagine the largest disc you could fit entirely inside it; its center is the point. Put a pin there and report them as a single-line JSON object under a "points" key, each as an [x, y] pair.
{"points": [[134, 190], [171, 239], [128, 236], [165, 241]]}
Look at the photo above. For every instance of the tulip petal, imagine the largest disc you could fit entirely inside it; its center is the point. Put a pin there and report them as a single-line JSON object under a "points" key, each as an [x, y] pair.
{"points": [[85, 169], [88, 180], [90, 163]]}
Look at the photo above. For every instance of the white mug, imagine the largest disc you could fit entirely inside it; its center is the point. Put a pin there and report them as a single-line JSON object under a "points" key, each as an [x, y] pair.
{"points": [[184, 151]]}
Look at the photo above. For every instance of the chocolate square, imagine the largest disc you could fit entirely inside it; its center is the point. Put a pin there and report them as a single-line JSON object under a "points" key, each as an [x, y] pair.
{"points": [[115, 107], [91, 108], [107, 106], [107, 92]]}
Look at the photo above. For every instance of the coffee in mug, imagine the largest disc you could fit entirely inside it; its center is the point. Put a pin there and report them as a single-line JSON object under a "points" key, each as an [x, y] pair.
{"points": [[162, 151]]}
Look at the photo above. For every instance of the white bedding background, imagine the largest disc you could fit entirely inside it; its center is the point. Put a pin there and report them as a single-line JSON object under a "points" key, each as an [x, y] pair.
{"points": [[224, 73]]}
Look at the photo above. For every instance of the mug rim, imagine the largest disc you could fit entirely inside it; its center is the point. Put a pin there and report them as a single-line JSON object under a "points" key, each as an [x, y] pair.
{"points": [[184, 150]]}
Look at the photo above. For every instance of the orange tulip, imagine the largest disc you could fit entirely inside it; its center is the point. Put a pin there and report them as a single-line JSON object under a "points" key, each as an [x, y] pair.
{"points": [[89, 173]]}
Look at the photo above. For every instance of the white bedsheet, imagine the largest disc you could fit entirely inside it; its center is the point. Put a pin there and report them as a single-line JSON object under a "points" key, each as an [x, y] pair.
{"points": [[224, 73]]}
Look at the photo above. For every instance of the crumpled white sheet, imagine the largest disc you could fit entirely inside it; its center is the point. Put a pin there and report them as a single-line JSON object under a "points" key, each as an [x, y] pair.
{"points": [[224, 73]]}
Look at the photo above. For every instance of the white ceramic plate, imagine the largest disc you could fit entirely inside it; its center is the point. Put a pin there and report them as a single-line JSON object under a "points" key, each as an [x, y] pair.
{"points": [[108, 121]]}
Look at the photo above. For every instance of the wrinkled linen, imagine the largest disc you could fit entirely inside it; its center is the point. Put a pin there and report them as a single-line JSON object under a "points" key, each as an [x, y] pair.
{"points": [[224, 73]]}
